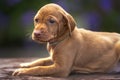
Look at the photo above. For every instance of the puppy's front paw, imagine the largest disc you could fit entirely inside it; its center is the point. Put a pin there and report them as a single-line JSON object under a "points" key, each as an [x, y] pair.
{"points": [[25, 65], [21, 71]]}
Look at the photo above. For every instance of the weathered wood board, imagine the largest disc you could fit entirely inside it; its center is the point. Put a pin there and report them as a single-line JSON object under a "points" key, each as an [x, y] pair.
{"points": [[8, 65]]}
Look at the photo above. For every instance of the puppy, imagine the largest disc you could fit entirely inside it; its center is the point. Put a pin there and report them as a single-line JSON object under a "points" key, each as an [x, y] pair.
{"points": [[71, 49]]}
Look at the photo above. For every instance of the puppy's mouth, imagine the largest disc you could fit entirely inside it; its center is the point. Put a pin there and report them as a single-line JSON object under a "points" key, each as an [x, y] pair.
{"points": [[43, 38]]}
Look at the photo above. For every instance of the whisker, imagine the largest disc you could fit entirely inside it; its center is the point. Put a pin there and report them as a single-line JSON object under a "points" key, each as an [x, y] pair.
{"points": [[28, 35]]}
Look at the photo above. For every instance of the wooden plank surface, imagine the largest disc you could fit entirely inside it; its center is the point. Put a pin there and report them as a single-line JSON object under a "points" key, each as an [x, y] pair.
{"points": [[8, 65]]}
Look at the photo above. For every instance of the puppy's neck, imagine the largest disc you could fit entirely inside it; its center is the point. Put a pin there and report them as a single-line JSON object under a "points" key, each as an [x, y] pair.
{"points": [[59, 40]]}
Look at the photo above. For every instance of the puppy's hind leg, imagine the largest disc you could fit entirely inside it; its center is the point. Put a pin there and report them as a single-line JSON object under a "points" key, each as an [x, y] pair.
{"points": [[117, 48], [116, 68]]}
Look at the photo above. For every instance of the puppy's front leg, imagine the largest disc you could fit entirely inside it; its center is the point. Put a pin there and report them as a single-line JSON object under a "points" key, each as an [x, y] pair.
{"points": [[61, 67], [52, 70], [39, 62]]}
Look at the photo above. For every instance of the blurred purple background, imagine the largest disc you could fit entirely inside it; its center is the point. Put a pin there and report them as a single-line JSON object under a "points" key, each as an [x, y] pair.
{"points": [[16, 22]]}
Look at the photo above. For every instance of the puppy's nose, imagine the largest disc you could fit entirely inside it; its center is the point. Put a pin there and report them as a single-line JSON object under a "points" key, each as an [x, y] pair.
{"points": [[37, 33]]}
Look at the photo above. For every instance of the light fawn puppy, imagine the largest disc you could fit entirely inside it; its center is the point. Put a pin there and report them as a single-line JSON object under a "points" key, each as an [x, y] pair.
{"points": [[71, 49]]}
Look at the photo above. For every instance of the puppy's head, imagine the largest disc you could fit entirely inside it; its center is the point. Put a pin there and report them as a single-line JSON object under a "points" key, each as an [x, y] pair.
{"points": [[52, 22]]}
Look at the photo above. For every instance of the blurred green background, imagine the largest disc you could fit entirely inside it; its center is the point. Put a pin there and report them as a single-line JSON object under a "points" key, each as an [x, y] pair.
{"points": [[16, 22]]}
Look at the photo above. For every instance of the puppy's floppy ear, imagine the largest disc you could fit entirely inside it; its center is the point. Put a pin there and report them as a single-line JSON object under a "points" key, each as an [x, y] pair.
{"points": [[70, 22]]}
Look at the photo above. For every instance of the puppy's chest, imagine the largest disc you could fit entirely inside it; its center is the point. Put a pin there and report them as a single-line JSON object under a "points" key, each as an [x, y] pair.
{"points": [[51, 51]]}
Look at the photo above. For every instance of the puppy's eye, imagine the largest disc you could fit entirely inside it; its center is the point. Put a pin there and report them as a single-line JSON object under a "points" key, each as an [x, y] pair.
{"points": [[51, 21], [36, 20]]}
